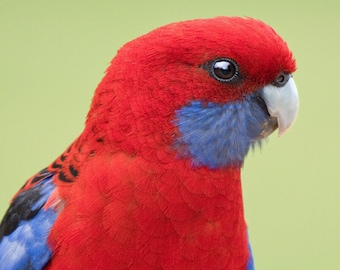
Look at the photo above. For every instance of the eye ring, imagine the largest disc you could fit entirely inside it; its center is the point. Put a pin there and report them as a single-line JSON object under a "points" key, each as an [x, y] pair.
{"points": [[282, 79], [224, 69]]}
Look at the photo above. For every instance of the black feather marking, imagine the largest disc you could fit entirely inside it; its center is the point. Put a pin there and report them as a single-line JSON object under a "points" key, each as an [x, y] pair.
{"points": [[21, 209], [73, 171], [40, 176], [56, 165], [64, 178]]}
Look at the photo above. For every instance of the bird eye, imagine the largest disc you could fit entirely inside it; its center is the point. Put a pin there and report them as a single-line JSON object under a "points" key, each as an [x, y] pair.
{"points": [[281, 79], [224, 70]]}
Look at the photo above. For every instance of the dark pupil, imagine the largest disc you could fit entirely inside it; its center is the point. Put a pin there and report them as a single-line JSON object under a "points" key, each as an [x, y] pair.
{"points": [[224, 70]]}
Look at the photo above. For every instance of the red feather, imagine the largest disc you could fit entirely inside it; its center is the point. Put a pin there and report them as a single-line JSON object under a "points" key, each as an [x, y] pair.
{"points": [[130, 201]]}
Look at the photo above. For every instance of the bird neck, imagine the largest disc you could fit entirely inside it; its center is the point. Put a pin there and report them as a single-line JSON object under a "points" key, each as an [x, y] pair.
{"points": [[152, 204]]}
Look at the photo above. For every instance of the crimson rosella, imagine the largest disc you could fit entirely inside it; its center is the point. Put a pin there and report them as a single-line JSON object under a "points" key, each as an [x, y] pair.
{"points": [[153, 181]]}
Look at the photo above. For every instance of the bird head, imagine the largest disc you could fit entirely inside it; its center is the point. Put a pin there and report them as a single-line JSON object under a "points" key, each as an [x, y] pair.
{"points": [[205, 89]]}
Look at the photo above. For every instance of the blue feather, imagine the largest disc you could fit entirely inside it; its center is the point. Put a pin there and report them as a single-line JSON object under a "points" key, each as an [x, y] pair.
{"points": [[25, 246], [220, 135], [250, 263]]}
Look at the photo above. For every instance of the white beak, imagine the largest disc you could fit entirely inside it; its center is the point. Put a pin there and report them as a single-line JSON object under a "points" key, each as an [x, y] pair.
{"points": [[282, 103]]}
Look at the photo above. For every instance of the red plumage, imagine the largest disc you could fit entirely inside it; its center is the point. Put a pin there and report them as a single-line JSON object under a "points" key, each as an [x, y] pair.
{"points": [[130, 201], [134, 214]]}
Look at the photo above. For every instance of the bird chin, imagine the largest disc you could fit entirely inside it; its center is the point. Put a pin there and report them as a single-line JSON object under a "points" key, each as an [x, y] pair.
{"points": [[268, 127]]}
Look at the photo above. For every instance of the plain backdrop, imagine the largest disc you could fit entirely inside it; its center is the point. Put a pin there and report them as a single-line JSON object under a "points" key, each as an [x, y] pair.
{"points": [[54, 53]]}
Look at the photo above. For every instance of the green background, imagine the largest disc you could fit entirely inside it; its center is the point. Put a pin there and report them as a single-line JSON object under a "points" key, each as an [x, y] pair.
{"points": [[53, 55]]}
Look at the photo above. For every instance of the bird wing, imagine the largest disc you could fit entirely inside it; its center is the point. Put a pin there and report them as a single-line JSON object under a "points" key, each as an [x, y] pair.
{"points": [[25, 227]]}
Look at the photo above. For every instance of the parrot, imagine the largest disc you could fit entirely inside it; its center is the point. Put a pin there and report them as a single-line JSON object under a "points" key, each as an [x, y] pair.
{"points": [[154, 179]]}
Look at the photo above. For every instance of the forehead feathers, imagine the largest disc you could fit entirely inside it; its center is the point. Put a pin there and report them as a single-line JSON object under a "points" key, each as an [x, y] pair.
{"points": [[255, 46]]}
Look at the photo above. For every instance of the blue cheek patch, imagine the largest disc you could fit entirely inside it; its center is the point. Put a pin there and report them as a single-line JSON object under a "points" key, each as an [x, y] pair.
{"points": [[219, 135]]}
